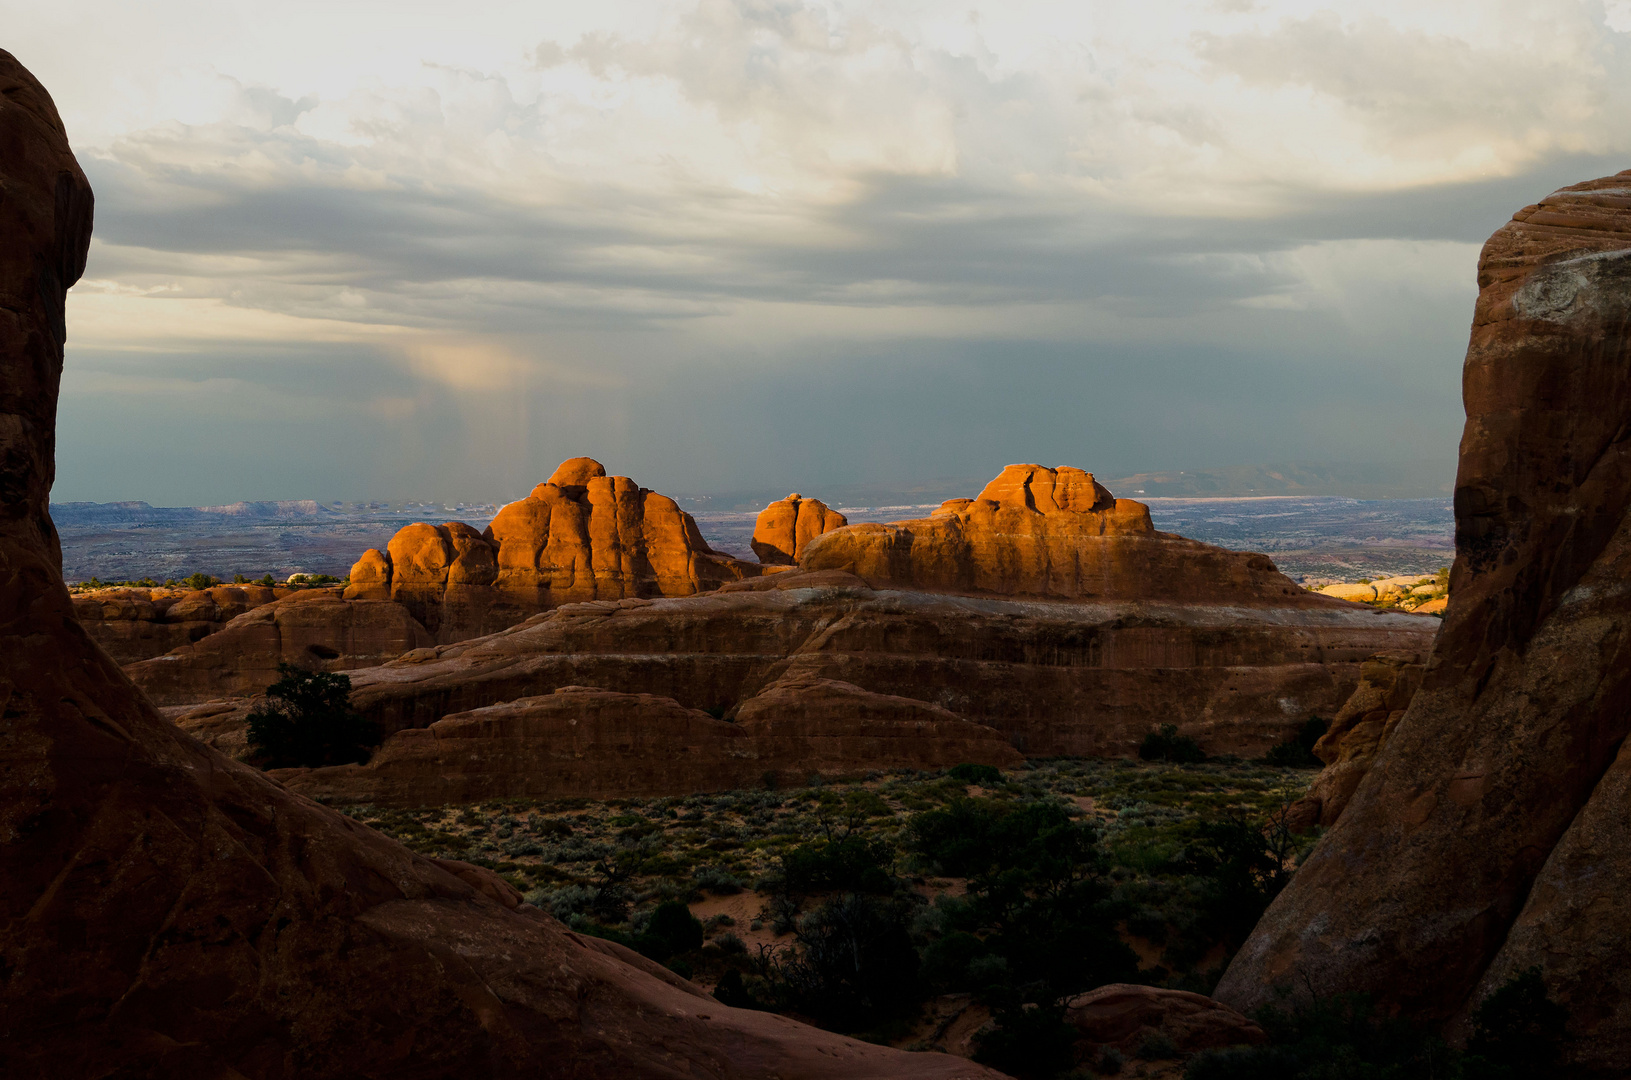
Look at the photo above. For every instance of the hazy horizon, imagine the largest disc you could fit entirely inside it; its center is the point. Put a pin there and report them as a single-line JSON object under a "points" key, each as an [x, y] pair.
{"points": [[383, 251]]}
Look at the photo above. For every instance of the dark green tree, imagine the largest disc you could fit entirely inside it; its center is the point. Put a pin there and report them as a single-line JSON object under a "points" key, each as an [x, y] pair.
{"points": [[308, 720]]}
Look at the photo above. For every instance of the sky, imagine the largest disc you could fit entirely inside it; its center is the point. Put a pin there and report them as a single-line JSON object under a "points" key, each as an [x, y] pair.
{"points": [[359, 250]]}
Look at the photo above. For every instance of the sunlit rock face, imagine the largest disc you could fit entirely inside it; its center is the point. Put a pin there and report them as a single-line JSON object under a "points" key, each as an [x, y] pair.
{"points": [[1490, 834], [1054, 533], [786, 527], [165, 911], [580, 535]]}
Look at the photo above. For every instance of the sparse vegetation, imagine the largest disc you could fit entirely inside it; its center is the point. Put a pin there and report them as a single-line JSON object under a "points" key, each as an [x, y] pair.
{"points": [[858, 901], [308, 720], [1165, 744], [1518, 1032], [1297, 752]]}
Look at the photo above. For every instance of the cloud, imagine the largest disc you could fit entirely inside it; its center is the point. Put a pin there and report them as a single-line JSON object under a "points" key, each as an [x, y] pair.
{"points": [[544, 212]]}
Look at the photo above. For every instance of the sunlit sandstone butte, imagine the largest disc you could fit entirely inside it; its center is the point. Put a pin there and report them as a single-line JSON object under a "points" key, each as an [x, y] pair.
{"points": [[1042, 617]]}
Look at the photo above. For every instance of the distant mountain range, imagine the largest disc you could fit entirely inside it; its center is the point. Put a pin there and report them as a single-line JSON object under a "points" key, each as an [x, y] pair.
{"points": [[1242, 481]]}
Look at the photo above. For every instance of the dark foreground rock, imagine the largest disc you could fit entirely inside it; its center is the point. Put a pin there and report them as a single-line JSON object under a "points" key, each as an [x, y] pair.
{"points": [[1488, 835], [167, 912]]}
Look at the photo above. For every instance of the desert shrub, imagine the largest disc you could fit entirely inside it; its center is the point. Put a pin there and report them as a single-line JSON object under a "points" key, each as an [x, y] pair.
{"points": [[308, 720], [200, 581], [851, 864], [268, 581], [1030, 1043], [1165, 744], [1158, 1046], [1242, 867], [733, 990], [1518, 1031], [969, 773], [1038, 901], [947, 960], [853, 964], [1336, 1037], [730, 944], [718, 881], [671, 929], [1297, 752]]}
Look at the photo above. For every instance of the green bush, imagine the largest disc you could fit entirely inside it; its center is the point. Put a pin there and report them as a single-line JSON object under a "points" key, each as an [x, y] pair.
{"points": [[672, 929], [308, 720], [1038, 902], [1518, 1031], [847, 865], [1030, 1043], [1165, 744], [1297, 752], [854, 966], [200, 581], [970, 773]]}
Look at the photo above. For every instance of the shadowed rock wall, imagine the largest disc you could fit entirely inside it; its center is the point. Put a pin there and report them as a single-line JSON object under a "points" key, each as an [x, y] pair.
{"points": [[1488, 834]]}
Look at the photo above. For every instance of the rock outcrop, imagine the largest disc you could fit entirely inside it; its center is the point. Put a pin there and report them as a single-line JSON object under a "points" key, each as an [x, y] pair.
{"points": [[314, 628], [1054, 533], [165, 911], [1124, 1016], [1088, 678], [1387, 683], [582, 741], [786, 527], [580, 535], [1485, 836], [137, 623]]}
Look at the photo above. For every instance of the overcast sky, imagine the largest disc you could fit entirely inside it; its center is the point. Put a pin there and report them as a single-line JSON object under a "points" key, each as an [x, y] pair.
{"points": [[400, 249]]}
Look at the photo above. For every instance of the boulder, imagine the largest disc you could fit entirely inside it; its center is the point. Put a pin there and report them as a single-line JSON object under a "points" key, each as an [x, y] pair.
{"points": [[1053, 533], [785, 528], [1471, 848], [582, 741], [165, 911], [581, 535], [1387, 683], [1123, 1015]]}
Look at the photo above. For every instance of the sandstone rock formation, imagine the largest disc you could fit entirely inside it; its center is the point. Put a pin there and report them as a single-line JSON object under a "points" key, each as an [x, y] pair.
{"points": [[1086, 678], [786, 527], [167, 912], [1483, 837], [313, 628], [137, 623], [581, 741], [580, 535], [1124, 1015], [1055, 533], [1387, 683]]}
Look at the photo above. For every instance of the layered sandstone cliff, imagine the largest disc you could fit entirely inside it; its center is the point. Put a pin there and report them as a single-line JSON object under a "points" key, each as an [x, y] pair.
{"points": [[1054, 677], [165, 911], [583, 741], [137, 623], [1036, 531], [1489, 834], [314, 629], [580, 535]]}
